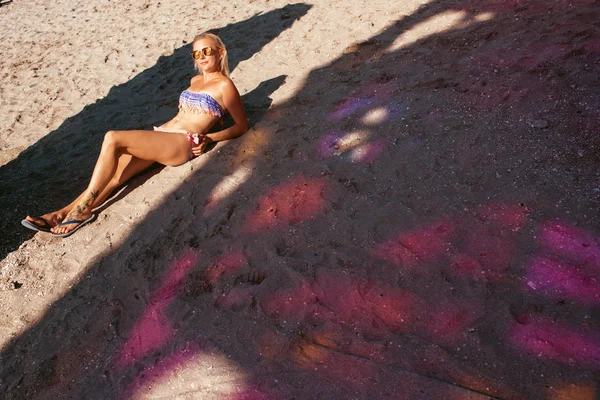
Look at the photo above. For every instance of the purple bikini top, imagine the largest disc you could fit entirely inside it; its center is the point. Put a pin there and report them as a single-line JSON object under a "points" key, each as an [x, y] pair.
{"points": [[199, 103]]}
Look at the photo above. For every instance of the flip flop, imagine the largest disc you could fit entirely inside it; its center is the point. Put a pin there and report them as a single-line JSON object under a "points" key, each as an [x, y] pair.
{"points": [[73, 221], [35, 227]]}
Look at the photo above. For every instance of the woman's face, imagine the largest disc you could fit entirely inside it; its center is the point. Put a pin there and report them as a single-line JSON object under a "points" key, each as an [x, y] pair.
{"points": [[207, 63]]}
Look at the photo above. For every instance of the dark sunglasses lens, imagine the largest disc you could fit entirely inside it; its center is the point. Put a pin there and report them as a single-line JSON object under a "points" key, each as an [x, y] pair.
{"points": [[207, 51]]}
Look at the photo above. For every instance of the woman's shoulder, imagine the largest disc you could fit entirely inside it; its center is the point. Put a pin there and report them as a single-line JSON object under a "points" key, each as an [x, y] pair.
{"points": [[226, 83], [227, 86], [195, 79]]}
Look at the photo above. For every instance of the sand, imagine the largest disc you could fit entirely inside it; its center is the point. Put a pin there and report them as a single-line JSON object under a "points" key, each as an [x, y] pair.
{"points": [[412, 215]]}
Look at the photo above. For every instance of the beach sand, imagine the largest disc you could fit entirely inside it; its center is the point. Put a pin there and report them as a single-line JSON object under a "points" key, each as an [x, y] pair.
{"points": [[412, 215]]}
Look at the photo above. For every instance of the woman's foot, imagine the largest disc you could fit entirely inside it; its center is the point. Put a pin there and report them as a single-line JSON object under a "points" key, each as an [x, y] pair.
{"points": [[80, 215], [47, 221], [74, 220], [69, 226]]}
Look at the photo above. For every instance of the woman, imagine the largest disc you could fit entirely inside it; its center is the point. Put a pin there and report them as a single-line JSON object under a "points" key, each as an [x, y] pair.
{"points": [[127, 153]]}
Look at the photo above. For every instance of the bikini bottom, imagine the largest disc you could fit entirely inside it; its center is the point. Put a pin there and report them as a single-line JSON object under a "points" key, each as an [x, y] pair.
{"points": [[194, 138]]}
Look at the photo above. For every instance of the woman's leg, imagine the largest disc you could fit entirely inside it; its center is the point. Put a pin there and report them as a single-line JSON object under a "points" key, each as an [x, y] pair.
{"points": [[163, 147], [128, 166]]}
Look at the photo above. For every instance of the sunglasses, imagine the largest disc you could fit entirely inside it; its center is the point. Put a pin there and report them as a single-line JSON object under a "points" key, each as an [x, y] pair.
{"points": [[207, 51]]}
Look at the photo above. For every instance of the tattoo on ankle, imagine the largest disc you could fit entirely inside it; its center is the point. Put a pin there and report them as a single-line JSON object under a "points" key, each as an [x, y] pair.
{"points": [[87, 203]]}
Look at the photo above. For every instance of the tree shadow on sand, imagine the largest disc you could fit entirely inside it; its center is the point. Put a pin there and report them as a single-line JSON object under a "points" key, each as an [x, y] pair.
{"points": [[29, 185], [404, 241]]}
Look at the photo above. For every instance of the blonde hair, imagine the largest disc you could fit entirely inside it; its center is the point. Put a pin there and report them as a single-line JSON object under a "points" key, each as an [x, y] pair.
{"points": [[223, 62]]}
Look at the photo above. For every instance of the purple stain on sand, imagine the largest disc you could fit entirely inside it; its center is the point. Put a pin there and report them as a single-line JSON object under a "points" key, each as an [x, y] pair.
{"points": [[560, 280], [351, 106], [409, 144], [327, 144], [369, 152], [397, 109], [548, 339], [571, 243]]}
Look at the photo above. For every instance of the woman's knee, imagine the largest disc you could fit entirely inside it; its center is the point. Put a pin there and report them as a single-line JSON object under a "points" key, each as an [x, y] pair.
{"points": [[111, 138]]}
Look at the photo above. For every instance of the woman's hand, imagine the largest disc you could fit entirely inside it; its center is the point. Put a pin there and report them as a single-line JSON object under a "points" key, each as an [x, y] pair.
{"points": [[204, 140]]}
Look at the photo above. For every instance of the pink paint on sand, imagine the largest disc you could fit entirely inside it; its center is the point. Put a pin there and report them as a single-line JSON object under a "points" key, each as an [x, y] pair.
{"points": [[291, 304], [560, 280], [395, 307], [365, 304], [338, 292], [423, 244], [448, 321], [150, 332], [487, 248], [493, 253], [544, 338], [154, 328], [467, 266], [293, 202]]}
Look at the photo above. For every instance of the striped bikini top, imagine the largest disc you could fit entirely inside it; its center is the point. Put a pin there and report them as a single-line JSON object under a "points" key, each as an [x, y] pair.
{"points": [[199, 103]]}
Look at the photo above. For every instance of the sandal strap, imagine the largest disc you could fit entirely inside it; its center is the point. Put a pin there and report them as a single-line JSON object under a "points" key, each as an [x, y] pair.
{"points": [[73, 221]]}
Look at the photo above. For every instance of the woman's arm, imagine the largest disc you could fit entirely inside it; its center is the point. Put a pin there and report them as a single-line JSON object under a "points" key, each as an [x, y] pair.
{"points": [[233, 103]]}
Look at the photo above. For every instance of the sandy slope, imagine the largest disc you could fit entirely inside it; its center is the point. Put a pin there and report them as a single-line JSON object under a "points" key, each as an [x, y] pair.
{"points": [[414, 213]]}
